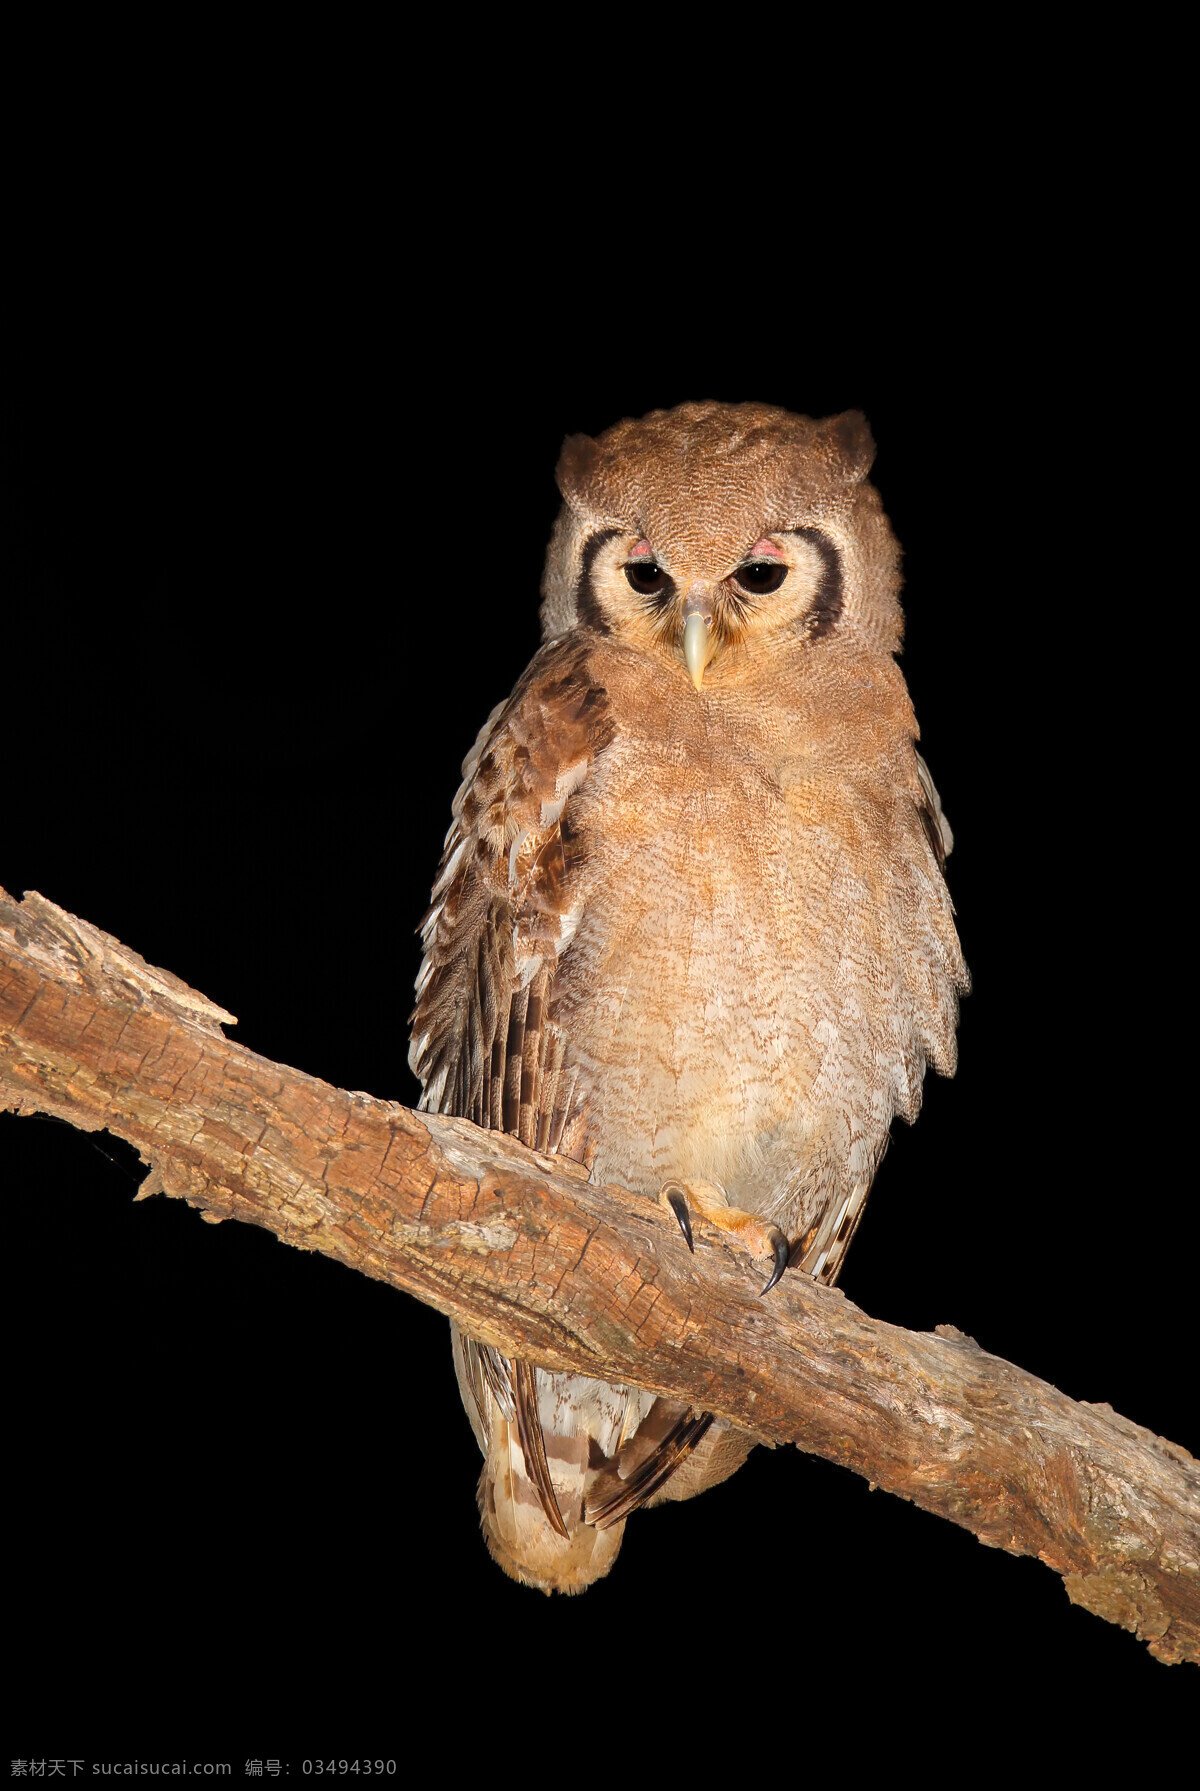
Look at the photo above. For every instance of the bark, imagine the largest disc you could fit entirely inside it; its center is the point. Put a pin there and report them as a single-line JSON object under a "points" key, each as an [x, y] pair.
{"points": [[527, 1254]]}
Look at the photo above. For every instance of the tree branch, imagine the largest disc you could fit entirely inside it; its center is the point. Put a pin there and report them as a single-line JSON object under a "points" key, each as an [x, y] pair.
{"points": [[525, 1253]]}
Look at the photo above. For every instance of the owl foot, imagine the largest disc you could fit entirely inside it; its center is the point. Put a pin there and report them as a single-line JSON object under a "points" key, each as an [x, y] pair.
{"points": [[710, 1203]]}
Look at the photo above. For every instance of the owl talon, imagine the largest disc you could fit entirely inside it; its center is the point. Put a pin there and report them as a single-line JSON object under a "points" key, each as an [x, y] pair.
{"points": [[678, 1206], [747, 1229], [782, 1251]]}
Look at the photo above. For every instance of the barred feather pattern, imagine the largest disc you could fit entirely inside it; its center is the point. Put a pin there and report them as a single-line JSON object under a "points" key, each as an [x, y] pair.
{"points": [[484, 1046], [602, 891]]}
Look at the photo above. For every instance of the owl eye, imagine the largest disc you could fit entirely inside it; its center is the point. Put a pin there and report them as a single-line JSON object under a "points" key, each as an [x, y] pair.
{"points": [[760, 577], [649, 580]]}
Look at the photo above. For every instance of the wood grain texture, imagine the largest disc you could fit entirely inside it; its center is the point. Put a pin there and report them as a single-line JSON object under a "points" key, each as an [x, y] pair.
{"points": [[526, 1254]]}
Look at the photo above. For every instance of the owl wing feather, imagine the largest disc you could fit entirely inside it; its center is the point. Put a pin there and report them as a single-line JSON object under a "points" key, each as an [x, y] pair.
{"points": [[933, 817], [663, 1442], [505, 907], [821, 1252], [503, 911]]}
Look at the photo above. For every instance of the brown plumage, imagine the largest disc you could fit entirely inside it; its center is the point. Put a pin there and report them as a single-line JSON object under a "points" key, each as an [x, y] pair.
{"points": [[690, 927]]}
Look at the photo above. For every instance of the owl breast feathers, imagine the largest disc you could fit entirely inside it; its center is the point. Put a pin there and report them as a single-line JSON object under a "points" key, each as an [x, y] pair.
{"points": [[690, 927]]}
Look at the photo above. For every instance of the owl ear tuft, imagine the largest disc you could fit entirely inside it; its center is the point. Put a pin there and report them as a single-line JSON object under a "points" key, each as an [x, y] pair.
{"points": [[848, 440], [576, 463]]}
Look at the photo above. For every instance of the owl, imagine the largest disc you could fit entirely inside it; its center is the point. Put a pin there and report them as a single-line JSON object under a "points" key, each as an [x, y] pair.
{"points": [[690, 927]]}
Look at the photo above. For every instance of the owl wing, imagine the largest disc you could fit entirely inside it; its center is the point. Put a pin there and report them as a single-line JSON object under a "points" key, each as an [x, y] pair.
{"points": [[822, 1251], [503, 911], [505, 908]]}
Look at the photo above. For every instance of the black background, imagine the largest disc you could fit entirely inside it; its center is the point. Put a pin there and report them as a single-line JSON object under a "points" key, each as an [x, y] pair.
{"points": [[279, 498]]}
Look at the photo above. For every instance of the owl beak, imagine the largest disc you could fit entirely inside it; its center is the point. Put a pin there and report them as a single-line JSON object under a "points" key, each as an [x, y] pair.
{"points": [[698, 643]]}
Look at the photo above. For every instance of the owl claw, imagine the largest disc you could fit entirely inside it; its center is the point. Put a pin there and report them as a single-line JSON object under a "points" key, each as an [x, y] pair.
{"points": [[747, 1229], [678, 1206], [782, 1251]]}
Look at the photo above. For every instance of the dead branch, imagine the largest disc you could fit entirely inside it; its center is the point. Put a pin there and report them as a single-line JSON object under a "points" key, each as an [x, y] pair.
{"points": [[525, 1253]]}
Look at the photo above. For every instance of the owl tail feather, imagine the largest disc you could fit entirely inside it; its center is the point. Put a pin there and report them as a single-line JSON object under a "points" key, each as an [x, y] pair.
{"points": [[568, 1458], [533, 1441], [519, 1535]]}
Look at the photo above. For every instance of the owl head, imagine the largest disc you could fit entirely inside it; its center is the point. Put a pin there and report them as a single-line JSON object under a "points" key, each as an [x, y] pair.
{"points": [[712, 531]]}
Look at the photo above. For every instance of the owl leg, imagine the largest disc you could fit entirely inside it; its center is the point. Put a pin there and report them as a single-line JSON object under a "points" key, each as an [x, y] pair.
{"points": [[712, 1205]]}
